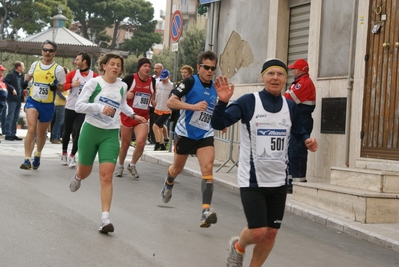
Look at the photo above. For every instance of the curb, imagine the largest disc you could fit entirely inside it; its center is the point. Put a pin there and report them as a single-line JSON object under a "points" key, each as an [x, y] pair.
{"points": [[301, 211], [343, 227]]}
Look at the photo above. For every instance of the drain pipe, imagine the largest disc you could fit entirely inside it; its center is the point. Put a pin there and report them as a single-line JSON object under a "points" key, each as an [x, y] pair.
{"points": [[209, 31], [215, 25], [349, 88]]}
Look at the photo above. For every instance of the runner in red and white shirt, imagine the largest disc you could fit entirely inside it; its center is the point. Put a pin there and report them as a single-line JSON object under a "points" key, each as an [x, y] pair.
{"points": [[141, 92], [75, 80]]}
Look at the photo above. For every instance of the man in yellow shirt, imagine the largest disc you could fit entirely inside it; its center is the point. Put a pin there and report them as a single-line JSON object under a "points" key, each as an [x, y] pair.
{"points": [[48, 77]]}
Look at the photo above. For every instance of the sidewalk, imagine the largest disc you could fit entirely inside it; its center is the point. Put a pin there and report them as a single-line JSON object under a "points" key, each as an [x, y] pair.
{"points": [[386, 235]]}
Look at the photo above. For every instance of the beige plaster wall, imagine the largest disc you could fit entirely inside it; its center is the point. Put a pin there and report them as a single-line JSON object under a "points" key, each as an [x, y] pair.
{"points": [[267, 39]]}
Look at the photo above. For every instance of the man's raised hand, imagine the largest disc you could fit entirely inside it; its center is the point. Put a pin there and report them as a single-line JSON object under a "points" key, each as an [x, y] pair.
{"points": [[223, 89]]}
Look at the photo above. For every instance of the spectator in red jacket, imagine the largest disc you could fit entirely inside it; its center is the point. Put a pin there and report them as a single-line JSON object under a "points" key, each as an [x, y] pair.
{"points": [[303, 92]]}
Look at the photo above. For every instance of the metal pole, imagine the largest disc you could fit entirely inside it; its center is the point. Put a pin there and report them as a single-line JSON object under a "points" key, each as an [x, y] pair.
{"points": [[176, 61]]}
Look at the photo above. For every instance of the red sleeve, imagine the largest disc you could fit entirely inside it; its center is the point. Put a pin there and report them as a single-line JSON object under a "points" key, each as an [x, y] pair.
{"points": [[287, 94], [303, 90], [68, 80]]}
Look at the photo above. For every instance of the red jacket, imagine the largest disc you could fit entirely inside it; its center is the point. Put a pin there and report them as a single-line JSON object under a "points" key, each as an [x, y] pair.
{"points": [[302, 91]]}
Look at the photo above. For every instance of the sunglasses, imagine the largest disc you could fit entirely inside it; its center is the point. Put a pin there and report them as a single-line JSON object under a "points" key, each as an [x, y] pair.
{"points": [[206, 67], [48, 50]]}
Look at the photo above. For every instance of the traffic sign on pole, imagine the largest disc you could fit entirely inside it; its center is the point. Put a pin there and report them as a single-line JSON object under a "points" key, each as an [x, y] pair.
{"points": [[176, 26], [175, 47]]}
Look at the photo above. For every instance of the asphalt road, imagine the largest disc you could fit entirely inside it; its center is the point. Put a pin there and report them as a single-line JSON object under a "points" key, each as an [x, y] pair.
{"points": [[42, 223]]}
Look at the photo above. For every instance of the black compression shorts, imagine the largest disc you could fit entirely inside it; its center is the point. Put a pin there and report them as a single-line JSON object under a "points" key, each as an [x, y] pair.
{"points": [[264, 206]]}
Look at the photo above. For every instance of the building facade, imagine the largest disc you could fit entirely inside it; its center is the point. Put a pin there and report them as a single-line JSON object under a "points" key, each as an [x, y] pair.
{"points": [[352, 49]]}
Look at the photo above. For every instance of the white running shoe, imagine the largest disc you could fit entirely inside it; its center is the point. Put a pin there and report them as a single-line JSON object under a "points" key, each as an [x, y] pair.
{"points": [[64, 159], [166, 192], [133, 171], [235, 258], [72, 162], [208, 217], [119, 171], [74, 185], [106, 226]]}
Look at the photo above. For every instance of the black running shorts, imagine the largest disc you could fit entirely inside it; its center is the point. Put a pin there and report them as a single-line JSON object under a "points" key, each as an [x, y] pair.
{"points": [[186, 146], [264, 206]]}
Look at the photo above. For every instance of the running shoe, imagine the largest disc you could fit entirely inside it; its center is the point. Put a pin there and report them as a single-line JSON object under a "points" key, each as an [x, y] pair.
{"points": [[72, 162], [74, 184], [157, 146], [133, 171], [36, 163], [64, 159], [106, 226], [162, 147], [119, 171], [208, 217], [26, 165], [133, 143], [166, 192], [235, 258]]}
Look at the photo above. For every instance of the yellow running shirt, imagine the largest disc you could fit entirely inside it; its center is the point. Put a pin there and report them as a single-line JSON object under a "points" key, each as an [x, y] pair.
{"points": [[42, 79]]}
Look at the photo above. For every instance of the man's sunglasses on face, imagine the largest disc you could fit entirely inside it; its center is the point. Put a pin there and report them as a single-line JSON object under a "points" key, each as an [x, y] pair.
{"points": [[48, 50], [206, 67]]}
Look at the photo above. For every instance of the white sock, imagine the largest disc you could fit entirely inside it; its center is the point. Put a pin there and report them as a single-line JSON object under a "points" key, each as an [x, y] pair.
{"points": [[77, 178], [132, 165], [105, 215]]}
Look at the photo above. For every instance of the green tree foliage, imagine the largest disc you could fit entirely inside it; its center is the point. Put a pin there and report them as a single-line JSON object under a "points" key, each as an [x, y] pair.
{"points": [[88, 13], [190, 45], [131, 64], [141, 42], [144, 27], [167, 60], [95, 16], [30, 16]]}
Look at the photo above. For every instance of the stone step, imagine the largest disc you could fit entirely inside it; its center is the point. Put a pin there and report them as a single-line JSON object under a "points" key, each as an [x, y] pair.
{"points": [[377, 164], [358, 205], [379, 181]]}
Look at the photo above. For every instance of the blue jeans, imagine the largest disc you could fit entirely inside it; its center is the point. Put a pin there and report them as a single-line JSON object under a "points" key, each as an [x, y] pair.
{"points": [[3, 114], [14, 108], [59, 113], [297, 151]]}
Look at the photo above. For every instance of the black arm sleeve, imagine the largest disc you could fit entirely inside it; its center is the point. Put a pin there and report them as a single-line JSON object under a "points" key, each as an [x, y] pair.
{"points": [[184, 87], [128, 79]]}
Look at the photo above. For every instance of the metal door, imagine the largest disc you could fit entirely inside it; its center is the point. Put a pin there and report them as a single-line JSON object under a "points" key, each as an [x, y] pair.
{"points": [[298, 42]]}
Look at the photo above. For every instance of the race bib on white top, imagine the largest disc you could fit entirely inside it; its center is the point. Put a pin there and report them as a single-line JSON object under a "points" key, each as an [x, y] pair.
{"points": [[102, 117], [141, 100], [270, 144]]}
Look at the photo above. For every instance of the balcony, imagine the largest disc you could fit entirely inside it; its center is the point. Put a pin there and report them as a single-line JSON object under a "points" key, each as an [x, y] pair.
{"points": [[185, 9], [162, 14]]}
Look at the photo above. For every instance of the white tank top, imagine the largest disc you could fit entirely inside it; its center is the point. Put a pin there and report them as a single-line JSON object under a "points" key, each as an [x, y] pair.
{"points": [[264, 147], [75, 91]]}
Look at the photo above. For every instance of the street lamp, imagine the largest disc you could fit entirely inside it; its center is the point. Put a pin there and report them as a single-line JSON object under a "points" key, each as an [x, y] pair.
{"points": [[149, 53]]}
